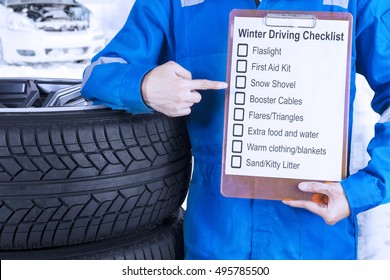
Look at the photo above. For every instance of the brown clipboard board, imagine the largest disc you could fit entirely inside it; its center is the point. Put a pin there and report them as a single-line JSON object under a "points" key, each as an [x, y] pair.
{"points": [[255, 38]]}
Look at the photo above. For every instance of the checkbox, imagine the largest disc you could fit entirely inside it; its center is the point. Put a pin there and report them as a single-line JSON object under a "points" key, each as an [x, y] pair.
{"points": [[239, 114], [237, 146], [240, 82], [239, 98], [241, 66], [238, 130], [242, 50], [236, 162]]}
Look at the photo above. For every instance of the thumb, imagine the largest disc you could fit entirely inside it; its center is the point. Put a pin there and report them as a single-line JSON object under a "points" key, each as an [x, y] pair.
{"points": [[181, 71], [314, 187]]}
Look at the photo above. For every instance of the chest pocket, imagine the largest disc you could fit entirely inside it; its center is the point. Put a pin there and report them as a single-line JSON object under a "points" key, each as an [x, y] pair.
{"points": [[201, 26]]}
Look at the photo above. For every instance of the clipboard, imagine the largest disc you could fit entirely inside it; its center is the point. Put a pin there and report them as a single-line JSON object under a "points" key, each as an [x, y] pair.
{"points": [[287, 103]]}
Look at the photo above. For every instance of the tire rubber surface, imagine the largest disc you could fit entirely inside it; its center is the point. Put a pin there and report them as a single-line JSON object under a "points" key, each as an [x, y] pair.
{"points": [[80, 176]]}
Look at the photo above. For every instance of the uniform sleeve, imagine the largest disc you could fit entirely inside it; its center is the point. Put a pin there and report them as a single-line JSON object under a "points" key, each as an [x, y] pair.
{"points": [[115, 74], [370, 186]]}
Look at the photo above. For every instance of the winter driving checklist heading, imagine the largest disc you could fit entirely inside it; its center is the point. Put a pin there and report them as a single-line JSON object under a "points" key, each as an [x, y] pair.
{"points": [[287, 102]]}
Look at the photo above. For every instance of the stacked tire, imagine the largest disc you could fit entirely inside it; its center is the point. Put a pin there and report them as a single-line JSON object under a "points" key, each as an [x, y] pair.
{"points": [[79, 181]]}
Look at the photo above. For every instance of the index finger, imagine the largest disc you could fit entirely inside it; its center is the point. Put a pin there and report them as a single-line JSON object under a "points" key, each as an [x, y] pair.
{"points": [[203, 84]]}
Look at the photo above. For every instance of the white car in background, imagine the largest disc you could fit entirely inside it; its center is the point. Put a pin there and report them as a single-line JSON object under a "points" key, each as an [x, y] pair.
{"points": [[34, 31]]}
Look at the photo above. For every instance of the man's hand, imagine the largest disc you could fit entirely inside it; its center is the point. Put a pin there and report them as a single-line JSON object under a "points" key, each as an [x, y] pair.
{"points": [[170, 89], [332, 209]]}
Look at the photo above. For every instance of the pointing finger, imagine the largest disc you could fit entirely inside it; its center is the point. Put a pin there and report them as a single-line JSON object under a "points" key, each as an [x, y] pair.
{"points": [[203, 84]]}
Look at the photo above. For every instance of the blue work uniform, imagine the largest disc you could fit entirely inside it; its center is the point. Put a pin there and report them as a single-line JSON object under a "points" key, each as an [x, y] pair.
{"points": [[194, 33]]}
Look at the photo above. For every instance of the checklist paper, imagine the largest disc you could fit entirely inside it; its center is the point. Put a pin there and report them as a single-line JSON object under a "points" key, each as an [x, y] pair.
{"points": [[286, 107]]}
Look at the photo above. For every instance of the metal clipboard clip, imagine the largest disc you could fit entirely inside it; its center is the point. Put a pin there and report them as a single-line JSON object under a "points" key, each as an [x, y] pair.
{"points": [[290, 20]]}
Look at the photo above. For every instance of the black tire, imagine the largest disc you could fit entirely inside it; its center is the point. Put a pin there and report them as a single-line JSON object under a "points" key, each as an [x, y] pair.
{"points": [[73, 176], [163, 242]]}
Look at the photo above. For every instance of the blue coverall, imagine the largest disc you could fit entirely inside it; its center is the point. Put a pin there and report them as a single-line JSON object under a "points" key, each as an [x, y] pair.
{"points": [[193, 33]]}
